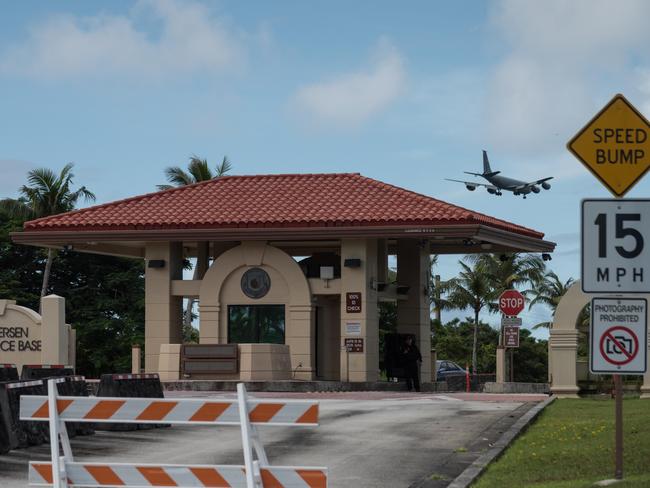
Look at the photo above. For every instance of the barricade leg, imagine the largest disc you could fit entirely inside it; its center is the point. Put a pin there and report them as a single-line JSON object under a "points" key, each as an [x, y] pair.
{"points": [[253, 475], [59, 477]]}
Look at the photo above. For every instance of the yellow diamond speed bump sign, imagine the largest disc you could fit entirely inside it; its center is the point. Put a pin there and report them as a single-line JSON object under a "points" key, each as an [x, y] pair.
{"points": [[615, 145]]}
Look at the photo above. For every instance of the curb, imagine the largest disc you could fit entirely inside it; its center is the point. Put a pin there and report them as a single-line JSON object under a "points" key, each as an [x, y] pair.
{"points": [[474, 470]]}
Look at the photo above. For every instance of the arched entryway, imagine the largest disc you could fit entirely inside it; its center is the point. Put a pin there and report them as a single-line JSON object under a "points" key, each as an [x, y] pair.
{"points": [[221, 290]]}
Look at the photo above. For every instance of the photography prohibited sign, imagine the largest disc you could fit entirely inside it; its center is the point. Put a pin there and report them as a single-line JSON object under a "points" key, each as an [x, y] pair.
{"points": [[618, 335]]}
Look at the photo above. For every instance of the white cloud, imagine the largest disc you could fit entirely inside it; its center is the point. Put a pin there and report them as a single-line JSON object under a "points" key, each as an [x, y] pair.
{"points": [[157, 38], [352, 98], [564, 60]]}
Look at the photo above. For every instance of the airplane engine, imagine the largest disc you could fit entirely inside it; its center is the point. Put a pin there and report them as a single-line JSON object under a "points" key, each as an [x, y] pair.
{"points": [[491, 191], [546, 186], [470, 187], [535, 189]]}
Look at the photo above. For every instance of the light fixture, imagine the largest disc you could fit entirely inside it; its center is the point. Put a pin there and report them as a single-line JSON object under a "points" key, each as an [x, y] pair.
{"points": [[352, 263], [327, 274], [156, 263], [546, 257]]}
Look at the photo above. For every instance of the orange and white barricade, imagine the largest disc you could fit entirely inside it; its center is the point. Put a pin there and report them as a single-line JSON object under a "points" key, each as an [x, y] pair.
{"points": [[246, 412]]}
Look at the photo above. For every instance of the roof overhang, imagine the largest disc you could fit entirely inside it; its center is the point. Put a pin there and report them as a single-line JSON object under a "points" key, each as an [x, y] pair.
{"points": [[475, 235]]}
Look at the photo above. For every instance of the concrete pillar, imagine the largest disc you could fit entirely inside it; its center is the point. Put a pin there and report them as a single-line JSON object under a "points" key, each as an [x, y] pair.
{"points": [[563, 343], [564, 347], [136, 365], [413, 314], [54, 333], [361, 366], [301, 340], [163, 312], [501, 364]]}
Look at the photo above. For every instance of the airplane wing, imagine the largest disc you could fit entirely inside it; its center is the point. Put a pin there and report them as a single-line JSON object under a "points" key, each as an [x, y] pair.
{"points": [[532, 183], [474, 184]]}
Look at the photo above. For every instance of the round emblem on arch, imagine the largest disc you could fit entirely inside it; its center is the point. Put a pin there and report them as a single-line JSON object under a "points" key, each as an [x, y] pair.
{"points": [[255, 283]]}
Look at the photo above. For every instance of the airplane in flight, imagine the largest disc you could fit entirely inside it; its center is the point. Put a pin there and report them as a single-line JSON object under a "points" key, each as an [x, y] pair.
{"points": [[499, 183]]}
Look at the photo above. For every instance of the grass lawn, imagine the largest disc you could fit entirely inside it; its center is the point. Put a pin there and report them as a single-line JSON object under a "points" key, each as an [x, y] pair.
{"points": [[572, 445]]}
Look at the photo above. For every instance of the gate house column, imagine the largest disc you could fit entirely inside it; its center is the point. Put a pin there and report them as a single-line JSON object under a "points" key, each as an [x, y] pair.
{"points": [[413, 314], [361, 366], [163, 312]]}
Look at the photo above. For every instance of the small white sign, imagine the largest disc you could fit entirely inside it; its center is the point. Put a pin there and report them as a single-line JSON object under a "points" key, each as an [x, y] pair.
{"points": [[619, 333], [616, 246], [511, 321], [353, 328]]}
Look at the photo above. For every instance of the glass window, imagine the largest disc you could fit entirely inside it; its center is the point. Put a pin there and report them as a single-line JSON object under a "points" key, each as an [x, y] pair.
{"points": [[256, 324]]}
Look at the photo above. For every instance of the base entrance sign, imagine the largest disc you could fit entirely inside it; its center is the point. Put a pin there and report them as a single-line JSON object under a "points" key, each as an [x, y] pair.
{"points": [[619, 333]]}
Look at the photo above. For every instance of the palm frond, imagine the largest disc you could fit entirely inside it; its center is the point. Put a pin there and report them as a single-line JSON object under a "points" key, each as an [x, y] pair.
{"points": [[177, 176], [223, 168]]}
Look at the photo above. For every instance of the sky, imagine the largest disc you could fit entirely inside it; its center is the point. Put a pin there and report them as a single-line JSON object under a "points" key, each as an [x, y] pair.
{"points": [[405, 92]]}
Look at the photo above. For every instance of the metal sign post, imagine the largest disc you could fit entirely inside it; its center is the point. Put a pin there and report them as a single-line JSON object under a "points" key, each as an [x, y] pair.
{"points": [[618, 462]]}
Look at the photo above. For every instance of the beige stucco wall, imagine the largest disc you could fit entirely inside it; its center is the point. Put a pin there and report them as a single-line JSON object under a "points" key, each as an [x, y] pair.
{"points": [[27, 337], [163, 310], [360, 366], [289, 286]]}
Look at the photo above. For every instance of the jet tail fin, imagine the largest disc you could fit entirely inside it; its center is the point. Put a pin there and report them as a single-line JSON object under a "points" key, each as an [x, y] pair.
{"points": [[486, 164]]}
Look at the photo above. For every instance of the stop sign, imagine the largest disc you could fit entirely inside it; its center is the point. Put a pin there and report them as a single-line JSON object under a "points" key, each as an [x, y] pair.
{"points": [[511, 302]]}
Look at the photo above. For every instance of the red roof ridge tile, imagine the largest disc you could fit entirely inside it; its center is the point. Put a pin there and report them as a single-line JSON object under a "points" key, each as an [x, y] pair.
{"points": [[180, 188]]}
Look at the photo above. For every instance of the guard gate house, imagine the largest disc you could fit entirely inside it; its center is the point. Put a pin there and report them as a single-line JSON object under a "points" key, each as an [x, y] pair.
{"points": [[290, 267]]}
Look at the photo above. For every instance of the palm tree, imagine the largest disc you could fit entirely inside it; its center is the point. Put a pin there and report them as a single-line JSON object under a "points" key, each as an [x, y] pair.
{"points": [[197, 170], [512, 270], [548, 291], [434, 287], [473, 289], [46, 194]]}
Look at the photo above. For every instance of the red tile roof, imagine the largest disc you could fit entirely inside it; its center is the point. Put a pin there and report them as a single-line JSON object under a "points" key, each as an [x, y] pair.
{"points": [[288, 200]]}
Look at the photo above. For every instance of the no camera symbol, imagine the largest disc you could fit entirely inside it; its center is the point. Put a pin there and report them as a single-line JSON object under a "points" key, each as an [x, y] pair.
{"points": [[619, 341]]}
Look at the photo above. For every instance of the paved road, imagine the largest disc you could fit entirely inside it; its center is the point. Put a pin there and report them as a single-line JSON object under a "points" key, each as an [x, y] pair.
{"points": [[367, 440]]}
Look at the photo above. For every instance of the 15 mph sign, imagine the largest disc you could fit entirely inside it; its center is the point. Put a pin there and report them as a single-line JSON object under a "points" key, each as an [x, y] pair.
{"points": [[618, 335], [615, 246]]}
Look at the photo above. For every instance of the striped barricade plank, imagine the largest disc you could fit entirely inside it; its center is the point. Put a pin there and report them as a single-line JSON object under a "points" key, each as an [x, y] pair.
{"points": [[200, 476], [182, 411]]}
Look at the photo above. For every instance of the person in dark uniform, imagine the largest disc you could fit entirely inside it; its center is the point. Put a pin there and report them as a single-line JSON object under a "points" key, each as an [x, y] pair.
{"points": [[411, 357]]}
